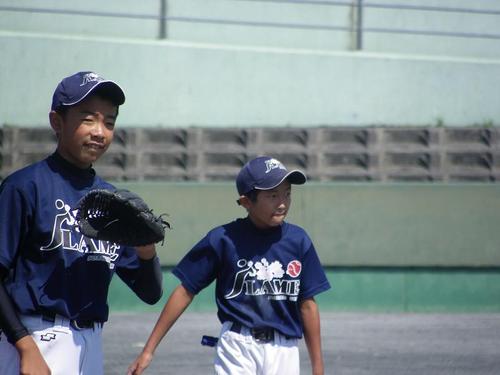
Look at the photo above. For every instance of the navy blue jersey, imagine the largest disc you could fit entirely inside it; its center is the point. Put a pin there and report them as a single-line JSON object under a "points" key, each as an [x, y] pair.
{"points": [[261, 276], [52, 267]]}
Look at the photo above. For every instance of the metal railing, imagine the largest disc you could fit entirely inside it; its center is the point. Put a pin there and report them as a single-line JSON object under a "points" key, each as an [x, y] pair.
{"points": [[359, 7]]}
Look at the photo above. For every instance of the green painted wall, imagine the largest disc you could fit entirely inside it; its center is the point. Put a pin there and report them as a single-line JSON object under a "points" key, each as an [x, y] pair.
{"points": [[445, 225], [398, 247], [367, 289]]}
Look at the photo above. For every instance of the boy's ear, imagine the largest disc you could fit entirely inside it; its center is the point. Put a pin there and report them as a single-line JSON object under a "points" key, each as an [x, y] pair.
{"points": [[244, 201], [56, 121]]}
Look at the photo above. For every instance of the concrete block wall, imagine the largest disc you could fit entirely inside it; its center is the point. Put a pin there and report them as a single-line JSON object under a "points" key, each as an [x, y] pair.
{"points": [[368, 154]]}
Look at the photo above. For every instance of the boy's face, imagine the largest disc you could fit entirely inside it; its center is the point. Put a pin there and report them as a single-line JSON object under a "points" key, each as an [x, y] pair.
{"points": [[85, 131], [271, 206]]}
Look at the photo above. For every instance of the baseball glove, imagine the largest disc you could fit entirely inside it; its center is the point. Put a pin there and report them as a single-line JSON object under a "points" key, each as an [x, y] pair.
{"points": [[119, 216]]}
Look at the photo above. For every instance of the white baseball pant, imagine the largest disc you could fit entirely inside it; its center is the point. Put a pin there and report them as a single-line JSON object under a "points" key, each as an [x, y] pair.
{"points": [[241, 354], [66, 350]]}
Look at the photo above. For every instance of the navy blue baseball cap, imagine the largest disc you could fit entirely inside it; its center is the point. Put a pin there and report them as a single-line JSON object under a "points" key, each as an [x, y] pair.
{"points": [[73, 89], [265, 173]]}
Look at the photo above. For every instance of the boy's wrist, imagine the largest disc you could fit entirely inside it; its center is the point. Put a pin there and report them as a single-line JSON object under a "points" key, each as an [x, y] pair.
{"points": [[25, 344], [147, 252], [147, 353]]}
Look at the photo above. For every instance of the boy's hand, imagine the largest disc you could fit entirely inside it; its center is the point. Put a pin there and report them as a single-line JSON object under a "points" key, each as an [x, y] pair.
{"points": [[140, 364], [318, 370], [31, 360]]}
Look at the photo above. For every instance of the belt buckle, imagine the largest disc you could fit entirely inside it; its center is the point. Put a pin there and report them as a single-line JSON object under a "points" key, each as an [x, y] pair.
{"points": [[82, 325], [75, 325], [262, 335]]}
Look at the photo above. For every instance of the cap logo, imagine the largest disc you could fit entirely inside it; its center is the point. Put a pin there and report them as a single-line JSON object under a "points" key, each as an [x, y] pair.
{"points": [[273, 164], [91, 77]]}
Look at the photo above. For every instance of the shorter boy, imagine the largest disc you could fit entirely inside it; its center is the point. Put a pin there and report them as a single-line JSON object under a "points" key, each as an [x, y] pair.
{"points": [[267, 273]]}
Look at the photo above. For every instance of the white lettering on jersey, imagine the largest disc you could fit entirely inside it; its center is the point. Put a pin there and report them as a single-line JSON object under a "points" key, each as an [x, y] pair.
{"points": [[266, 279], [66, 235]]}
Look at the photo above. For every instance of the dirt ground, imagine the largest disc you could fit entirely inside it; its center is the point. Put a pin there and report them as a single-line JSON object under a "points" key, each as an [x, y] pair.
{"points": [[353, 344]]}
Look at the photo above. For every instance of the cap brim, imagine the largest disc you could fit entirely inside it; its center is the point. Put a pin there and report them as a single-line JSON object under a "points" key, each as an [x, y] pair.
{"points": [[110, 90], [295, 177]]}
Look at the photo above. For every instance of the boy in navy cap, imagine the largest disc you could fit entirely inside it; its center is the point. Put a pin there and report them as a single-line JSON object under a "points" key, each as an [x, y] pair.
{"points": [[267, 273], [53, 281]]}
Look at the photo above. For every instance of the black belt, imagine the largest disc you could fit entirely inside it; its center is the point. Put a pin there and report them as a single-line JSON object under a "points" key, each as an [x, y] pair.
{"points": [[263, 335], [77, 324]]}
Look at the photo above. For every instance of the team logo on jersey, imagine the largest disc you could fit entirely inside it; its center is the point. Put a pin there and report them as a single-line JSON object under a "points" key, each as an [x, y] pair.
{"points": [[293, 269], [273, 164], [264, 278], [49, 336], [91, 77], [65, 234]]}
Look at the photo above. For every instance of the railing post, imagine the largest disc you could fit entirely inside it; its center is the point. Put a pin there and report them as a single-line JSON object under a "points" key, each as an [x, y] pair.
{"points": [[359, 25], [162, 32]]}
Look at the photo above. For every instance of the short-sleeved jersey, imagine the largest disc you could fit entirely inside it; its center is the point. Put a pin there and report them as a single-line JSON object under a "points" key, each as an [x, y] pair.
{"points": [[261, 276], [52, 268]]}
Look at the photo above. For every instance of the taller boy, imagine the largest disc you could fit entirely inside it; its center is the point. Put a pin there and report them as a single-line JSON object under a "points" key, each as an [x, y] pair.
{"points": [[53, 281]]}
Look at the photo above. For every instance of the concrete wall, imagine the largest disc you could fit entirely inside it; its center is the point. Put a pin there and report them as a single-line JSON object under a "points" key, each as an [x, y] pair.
{"points": [[173, 84], [232, 75], [392, 26], [446, 23]]}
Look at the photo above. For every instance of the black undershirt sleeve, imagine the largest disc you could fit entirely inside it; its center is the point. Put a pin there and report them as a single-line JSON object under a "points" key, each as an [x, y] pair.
{"points": [[148, 284], [10, 324]]}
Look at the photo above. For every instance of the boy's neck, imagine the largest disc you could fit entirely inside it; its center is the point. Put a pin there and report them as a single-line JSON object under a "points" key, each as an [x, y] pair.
{"points": [[261, 229]]}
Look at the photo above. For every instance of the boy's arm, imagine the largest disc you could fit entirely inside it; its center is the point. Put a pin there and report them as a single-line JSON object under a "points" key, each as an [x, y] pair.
{"points": [[148, 284], [178, 301], [312, 334]]}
